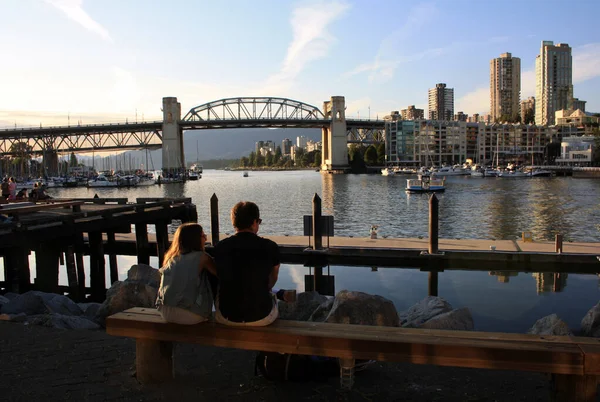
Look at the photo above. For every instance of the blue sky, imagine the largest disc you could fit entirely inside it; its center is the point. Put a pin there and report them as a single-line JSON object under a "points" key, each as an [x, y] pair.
{"points": [[106, 60]]}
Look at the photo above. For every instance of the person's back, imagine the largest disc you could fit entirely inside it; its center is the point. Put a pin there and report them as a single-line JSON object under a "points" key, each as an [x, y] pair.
{"points": [[5, 188], [244, 265]]}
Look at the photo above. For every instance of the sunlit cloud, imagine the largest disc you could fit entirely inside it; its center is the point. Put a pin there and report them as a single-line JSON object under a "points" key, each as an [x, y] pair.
{"points": [[73, 9], [311, 41]]}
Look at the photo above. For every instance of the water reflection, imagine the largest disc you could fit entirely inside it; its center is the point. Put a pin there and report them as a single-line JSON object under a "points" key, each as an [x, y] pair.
{"points": [[550, 281], [503, 277]]}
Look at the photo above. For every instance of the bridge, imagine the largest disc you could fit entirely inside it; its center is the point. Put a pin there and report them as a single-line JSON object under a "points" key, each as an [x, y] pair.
{"points": [[241, 112]]}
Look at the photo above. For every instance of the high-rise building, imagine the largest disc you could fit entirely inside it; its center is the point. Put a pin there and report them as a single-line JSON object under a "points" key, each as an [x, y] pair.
{"points": [[554, 81], [579, 104], [441, 103], [412, 113], [258, 145], [286, 146], [301, 141], [528, 110], [505, 88], [460, 116]]}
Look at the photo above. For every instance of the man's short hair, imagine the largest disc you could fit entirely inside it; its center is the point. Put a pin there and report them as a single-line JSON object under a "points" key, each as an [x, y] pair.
{"points": [[243, 215]]}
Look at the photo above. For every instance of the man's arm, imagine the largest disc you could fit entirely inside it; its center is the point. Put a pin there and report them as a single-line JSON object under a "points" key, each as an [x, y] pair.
{"points": [[274, 276]]}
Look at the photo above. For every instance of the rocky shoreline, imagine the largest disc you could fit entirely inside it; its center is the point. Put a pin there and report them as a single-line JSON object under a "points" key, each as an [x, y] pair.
{"points": [[348, 307]]}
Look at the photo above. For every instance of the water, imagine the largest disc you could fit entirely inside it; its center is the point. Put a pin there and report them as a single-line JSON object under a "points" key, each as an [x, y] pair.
{"points": [[492, 208]]}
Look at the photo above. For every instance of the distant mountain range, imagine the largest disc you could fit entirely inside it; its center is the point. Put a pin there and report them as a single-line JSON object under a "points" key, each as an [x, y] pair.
{"points": [[222, 144]]}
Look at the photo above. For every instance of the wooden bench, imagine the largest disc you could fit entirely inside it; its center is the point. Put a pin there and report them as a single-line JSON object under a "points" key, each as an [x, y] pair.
{"points": [[573, 362]]}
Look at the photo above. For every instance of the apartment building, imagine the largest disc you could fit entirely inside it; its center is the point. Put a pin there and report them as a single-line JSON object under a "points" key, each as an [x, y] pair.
{"points": [[554, 81], [505, 88], [441, 102]]}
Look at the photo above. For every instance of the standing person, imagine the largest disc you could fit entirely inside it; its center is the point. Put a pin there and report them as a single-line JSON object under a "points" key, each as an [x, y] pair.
{"points": [[12, 188], [5, 188], [247, 269], [184, 296]]}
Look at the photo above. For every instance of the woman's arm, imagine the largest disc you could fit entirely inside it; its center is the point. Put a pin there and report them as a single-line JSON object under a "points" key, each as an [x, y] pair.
{"points": [[207, 262]]}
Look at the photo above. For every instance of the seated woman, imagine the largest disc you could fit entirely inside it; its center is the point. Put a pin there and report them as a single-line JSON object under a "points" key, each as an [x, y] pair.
{"points": [[21, 195], [184, 296]]}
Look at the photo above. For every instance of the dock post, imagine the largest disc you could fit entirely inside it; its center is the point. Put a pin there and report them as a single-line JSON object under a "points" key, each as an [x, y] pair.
{"points": [[433, 283], [433, 224], [47, 257], [79, 243], [72, 273], [16, 270], [97, 267], [558, 243], [162, 240], [111, 244], [316, 223], [141, 243], [214, 219]]}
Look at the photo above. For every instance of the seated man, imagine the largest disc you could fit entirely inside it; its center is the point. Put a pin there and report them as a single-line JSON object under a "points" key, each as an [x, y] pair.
{"points": [[247, 268]]}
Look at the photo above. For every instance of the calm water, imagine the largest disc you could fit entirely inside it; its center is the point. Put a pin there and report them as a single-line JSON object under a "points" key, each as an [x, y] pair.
{"points": [[492, 208]]}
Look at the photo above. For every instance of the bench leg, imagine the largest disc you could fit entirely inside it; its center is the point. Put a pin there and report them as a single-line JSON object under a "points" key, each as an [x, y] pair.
{"points": [[346, 374], [154, 361], [573, 388]]}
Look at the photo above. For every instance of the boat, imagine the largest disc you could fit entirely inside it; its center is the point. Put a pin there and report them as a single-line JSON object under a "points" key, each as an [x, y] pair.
{"points": [[477, 171], [513, 174], [388, 172], [445, 171], [102, 182], [425, 184], [193, 175], [540, 173], [245, 174]]}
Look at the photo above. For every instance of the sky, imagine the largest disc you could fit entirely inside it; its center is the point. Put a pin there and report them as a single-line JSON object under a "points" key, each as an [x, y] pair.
{"points": [[88, 61]]}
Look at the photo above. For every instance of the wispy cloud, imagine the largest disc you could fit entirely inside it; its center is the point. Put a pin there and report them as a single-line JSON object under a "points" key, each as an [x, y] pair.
{"points": [[586, 62], [311, 39], [74, 10]]}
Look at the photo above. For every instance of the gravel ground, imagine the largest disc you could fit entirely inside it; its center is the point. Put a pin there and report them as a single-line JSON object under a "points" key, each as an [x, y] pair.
{"points": [[46, 364]]}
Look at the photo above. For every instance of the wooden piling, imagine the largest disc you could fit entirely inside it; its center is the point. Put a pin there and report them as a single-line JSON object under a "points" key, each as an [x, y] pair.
{"points": [[214, 219], [433, 224], [433, 283], [78, 248], [97, 267], [47, 257], [72, 273], [558, 243], [16, 270], [111, 244], [316, 223], [162, 241], [141, 242]]}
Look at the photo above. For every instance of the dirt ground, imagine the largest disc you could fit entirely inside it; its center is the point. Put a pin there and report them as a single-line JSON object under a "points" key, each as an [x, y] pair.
{"points": [[46, 364]]}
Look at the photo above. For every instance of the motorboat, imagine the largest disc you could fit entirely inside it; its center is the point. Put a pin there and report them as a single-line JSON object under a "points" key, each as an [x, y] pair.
{"points": [[193, 175], [388, 172], [102, 182], [513, 174], [245, 174], [445, 171], [539, 173], [425, 184]]}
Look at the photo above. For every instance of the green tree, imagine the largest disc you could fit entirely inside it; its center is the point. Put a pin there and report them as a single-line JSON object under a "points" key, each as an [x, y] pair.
{"points": [[21, 152], [259, 161], [244, 161], [277, 157], [317, 159], [269, 159], [371, 155], [299, 158], [73, 160], [381, 153], [251, 159]]}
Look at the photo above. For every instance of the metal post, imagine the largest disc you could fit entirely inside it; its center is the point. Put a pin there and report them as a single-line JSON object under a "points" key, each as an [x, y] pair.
{"points": [[433, 224], [558, 243], [214, 219], [316, 216]]}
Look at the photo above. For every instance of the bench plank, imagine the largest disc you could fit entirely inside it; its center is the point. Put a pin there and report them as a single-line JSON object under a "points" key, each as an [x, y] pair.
{"points": [[355, 342]]}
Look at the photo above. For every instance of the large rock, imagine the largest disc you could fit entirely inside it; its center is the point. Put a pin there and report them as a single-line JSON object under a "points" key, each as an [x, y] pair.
{"points": [[362, 309], [590, 325], [124, 295], [424, 311], [320, 314], [90, 310], [3, 300], [550, 325], [302, 309], [60, 304], [145, 274], [458, 320], [54, 320], [28, 303]]}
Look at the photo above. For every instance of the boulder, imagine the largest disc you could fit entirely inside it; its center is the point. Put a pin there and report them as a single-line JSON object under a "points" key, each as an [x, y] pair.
{"points": [[423, 311], [90, 310], [145, 274], [3, 300], [458, 320], [362, 309], [61, 304], [124, 295], [320, 314], [550, 325], [590, 325], [302, 309], [11, 295], [29, 303], [54, 320]]}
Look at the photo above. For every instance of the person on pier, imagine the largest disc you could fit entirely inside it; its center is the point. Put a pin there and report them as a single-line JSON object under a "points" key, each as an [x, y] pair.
{"points": [[247, 270], [184, 295]]}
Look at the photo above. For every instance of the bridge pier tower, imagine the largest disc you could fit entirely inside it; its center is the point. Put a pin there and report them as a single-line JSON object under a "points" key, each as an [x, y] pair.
{"points": [[173, 160], [334, 156]]}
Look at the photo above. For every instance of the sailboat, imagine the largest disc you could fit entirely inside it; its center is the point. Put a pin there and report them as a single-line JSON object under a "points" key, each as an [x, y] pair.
{"points": [[195, 171], [537, 172]]}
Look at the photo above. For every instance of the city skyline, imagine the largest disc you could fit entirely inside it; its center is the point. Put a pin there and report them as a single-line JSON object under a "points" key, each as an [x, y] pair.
{"points": [[71, 61]]}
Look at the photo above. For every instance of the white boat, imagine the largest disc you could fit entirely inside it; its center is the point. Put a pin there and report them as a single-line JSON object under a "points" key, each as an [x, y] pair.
{"points": [[193, 176], [477, 171], [425, 184], [388, 172], [539, 173], [513, 174], [245, 174], [101, 182], [455, 170]]}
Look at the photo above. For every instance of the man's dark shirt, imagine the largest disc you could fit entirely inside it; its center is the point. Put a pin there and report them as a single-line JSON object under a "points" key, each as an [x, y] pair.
{"points": [[244, 263]]}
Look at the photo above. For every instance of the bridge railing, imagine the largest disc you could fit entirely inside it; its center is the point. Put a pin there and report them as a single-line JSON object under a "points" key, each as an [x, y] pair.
{"points": [[91, 125]]}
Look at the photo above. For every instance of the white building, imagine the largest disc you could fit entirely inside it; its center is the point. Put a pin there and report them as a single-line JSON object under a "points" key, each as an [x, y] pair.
{"points": [[301, 142], [576, 151], [554, 81]]}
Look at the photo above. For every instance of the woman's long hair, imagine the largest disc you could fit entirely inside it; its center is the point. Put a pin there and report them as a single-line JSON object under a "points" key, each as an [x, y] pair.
{"points": [[187, 238]]}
